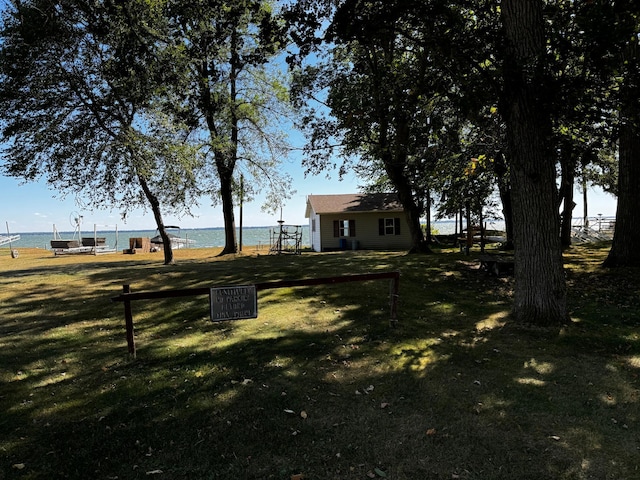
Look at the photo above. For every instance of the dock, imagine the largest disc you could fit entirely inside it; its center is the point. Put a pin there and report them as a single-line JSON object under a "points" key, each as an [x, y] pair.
{"points": [[8, 239]]}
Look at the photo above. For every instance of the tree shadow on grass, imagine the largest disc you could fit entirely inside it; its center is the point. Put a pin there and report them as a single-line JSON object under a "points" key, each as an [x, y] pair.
{"points": [[325, 389]]}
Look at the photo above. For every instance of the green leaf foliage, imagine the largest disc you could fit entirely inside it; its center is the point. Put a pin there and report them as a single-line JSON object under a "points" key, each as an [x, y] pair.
{"points": [[79, 84]]}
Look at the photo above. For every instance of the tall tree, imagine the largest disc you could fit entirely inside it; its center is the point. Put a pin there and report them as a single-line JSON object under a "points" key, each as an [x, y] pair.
{"points": [[383, 95], [227, 92], [624, 249], [540, 293], [626, 238], [583, 100], [77, 84]]}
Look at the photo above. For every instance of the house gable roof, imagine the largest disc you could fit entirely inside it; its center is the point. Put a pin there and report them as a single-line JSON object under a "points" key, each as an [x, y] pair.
{"points": [[353, 203]]}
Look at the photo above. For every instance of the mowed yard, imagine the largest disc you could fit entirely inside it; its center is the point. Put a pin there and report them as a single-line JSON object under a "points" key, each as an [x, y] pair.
{"points": [[318, 386]]}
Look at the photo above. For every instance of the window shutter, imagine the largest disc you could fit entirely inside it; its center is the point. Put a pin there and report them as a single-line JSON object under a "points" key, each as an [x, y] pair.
{"points": [[396, 222], [352, 228], [336, 228], [381, 226]]}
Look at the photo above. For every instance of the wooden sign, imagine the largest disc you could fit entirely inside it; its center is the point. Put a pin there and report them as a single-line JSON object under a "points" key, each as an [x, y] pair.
{"points": [[233, 303]]}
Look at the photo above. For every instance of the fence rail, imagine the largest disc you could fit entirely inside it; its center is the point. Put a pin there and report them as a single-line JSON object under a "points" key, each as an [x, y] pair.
{"points": [[599, 223], [127, 296]]}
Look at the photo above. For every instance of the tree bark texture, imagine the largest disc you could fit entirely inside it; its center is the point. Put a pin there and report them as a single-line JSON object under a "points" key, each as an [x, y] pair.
{"points": [[625, 249], [504, 187], [540, 290], [157, 215], [226, 194], [411, 209], [226, 160], [565, 197]]}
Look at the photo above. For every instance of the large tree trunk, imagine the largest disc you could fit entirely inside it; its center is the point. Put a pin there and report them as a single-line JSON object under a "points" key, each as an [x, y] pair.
{"points": [[626, 238], [226, 194], [157, 215], [394, 158], [540, 290], [565, 197], [226, 162], [504, 187], [411, 209], [427, 230], [507, 213]]}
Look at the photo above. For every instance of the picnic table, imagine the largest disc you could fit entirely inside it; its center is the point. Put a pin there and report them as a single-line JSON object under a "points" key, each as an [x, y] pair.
{"points": [[496, 264]]}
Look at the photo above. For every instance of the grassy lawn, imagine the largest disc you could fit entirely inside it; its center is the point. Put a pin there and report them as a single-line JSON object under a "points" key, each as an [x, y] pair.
{"points": [[319, 386]]}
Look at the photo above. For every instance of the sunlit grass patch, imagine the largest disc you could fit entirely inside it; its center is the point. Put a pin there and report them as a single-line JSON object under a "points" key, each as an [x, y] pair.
{"points": [[496, 320], [634, 361], [319, 384]]}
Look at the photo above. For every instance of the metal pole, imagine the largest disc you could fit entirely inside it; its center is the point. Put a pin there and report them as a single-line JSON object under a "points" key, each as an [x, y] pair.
{"points": [[14, 253], [9, 235]]}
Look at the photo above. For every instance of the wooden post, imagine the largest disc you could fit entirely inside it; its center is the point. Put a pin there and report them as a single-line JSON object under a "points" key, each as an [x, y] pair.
{"points": [[128, 320], [393, 299]]}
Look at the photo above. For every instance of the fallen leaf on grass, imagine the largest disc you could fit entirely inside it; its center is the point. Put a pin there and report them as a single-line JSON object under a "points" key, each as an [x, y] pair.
{"points": [[431, 431], [366, 390], [154, 472], [297, 476], [376, 472], [18, 466], [288, 410], [303, 414], [384, 405]]}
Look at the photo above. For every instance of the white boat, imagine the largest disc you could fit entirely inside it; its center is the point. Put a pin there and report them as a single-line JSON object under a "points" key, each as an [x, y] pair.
{"points": [[177, 241], [78, 244]]}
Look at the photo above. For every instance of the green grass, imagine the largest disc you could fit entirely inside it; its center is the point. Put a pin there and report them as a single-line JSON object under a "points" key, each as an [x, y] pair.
{"points": [[319, 384]]}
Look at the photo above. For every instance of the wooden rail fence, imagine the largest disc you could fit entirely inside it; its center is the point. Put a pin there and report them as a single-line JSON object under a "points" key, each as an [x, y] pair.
{"points": [[127, 296]]}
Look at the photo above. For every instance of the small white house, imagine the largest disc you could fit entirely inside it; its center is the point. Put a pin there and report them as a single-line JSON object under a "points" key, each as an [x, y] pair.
{"points": [[373, 221]]}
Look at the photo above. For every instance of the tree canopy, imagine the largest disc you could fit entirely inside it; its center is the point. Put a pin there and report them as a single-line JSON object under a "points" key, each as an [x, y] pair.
{"points": [[160, 103], [78, 90], [228, 91], [528, 102], [148, 104]]}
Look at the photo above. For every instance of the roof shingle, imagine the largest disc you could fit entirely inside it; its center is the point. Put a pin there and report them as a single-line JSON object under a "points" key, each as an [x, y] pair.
{"points": [[353, 202]]}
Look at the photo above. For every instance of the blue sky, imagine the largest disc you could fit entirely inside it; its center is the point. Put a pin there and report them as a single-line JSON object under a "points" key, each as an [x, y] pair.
{"points": [[32, 207]]}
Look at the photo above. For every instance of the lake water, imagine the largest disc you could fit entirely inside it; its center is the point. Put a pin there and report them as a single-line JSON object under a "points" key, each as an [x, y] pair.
{"points": [[202, 237]]}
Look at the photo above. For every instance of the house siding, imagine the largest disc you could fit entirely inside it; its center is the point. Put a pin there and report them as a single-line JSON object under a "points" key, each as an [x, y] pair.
{"points": [[314, 236], [367, 234]]}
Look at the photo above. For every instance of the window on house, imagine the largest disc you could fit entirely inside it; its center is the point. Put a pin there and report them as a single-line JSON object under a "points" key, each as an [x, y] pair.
{"points": [[344, 228], [389, 226], [313, 224]]}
